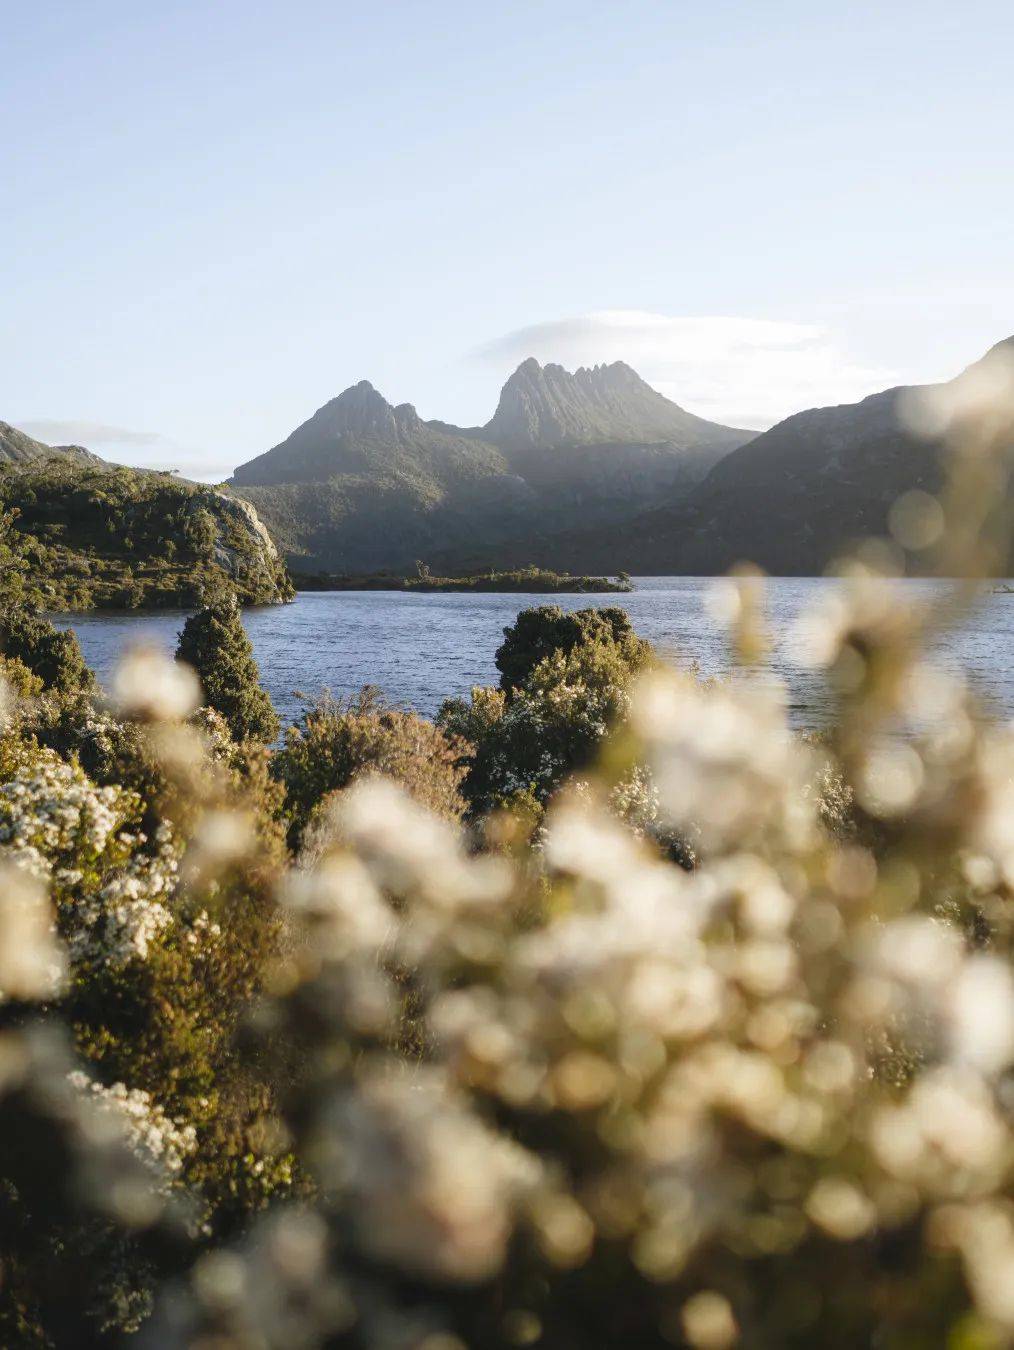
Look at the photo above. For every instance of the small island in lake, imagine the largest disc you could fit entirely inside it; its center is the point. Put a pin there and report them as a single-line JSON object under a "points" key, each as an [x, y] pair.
{"points": [[521, 580]]}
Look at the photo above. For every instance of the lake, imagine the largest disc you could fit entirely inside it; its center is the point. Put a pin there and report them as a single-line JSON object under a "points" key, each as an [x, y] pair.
{"points": [[422, 648]]}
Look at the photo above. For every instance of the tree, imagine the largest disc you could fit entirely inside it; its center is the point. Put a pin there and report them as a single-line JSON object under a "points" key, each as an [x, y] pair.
{"points": [[564, 680], [215, 643], [54, 656], [545, 629]]}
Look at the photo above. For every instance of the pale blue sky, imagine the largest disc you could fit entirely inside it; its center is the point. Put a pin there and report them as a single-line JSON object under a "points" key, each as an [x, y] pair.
{"points": [[218, 215]]}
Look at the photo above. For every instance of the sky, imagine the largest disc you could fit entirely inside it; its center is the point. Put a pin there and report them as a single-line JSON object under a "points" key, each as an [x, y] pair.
{"points": [[218, 216]]}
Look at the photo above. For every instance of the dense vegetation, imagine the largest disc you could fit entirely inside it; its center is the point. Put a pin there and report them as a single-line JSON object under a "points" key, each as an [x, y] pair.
{"points": [[529, 580], [78, 536], [694, 1033]]}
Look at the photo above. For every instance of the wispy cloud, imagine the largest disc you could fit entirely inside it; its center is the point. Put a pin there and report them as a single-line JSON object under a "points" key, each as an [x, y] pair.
{"points": [[89, 434], [123, 445], [745, 372]]}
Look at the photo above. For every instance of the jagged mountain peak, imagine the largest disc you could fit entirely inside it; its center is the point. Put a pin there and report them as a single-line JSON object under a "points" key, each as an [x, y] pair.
{"points": [[608, 407], [542, 406], [361, 410]]}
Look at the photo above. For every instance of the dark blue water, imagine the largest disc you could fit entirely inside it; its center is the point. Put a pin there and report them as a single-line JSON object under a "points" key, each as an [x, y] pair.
{"points": [[422, 648]]}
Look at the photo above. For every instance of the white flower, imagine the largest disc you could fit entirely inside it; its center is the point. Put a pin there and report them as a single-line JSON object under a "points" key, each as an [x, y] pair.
{"points": [[31, 958]]}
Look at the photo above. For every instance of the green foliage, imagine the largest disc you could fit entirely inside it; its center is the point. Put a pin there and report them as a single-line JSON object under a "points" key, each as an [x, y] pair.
{"points": [[518, 580], [54, 656], [342, 740], [529, 740], [79, 536], [539, 632], [215, 643], [564, 683], [18, 678]]}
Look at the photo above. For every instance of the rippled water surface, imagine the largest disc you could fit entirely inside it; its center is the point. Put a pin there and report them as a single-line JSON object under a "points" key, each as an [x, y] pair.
{"points": [[421, 648]]}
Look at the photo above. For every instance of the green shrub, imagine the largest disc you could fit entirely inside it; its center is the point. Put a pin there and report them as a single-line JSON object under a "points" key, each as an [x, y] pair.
{"points": [[215, 644], [339, 741], [54, 656], [564, 684], [539, 632]]}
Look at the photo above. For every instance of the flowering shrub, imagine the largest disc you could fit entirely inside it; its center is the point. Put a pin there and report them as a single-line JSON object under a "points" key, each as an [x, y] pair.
{"points": [[109, 891]]}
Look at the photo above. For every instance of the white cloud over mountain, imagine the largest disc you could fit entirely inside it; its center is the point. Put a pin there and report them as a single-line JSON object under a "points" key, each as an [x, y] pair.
{"points": [[741, 371]]}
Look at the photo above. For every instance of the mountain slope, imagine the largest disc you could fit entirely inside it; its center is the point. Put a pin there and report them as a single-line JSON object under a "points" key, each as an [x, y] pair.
{"points": [[359, 433], [796, 497], [364, 485]]}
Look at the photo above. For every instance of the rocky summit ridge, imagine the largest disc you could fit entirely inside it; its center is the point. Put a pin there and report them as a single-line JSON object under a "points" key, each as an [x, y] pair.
{"points": [[547, 406]]}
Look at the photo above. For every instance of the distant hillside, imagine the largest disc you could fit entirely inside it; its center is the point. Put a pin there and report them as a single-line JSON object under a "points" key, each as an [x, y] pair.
{"points": [[365, 485], [792, 500], [84, 536]]}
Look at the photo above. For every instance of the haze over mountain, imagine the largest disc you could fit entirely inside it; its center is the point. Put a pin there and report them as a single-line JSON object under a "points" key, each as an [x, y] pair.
{"points": [[363, 484], [796, 497]]}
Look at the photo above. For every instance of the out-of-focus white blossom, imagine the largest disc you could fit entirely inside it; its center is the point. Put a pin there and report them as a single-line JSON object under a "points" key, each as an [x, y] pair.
{"points": [[429, 1188], [150, 686], [32, 960], [723, 759]]}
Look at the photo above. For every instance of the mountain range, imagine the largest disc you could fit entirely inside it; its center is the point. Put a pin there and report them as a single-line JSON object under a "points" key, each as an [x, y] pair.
{"points": [[364, 485], [590, 471], [796, 498]]}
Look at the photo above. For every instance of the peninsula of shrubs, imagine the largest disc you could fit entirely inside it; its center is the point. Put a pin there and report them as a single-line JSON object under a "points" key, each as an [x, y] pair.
{"points": [[76, 536], [521, 581]]}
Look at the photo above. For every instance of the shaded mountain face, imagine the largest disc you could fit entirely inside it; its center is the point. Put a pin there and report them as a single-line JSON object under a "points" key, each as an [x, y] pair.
{"points": [[561, 449], [804, 492], [16, 447], [796, 498], [359, 433]]}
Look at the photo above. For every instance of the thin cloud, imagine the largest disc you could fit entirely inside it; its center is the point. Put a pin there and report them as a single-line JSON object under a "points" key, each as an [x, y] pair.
{"points": [[744, 372], [122, 445], [74, 432]]}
